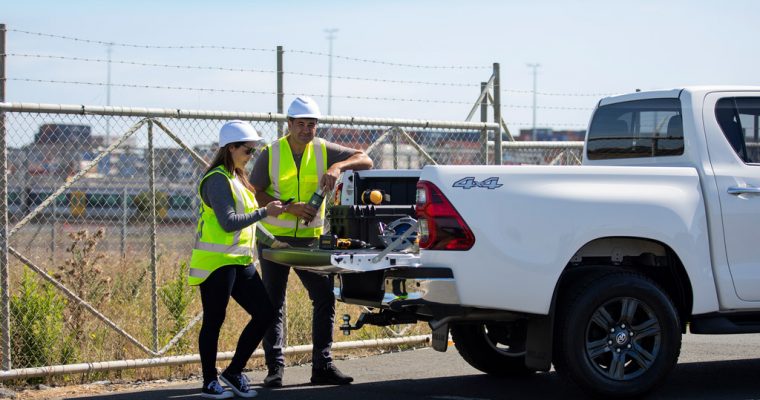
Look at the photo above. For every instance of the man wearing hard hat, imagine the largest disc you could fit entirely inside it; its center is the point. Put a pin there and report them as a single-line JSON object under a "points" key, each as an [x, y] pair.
{"points": [[293, 168]]}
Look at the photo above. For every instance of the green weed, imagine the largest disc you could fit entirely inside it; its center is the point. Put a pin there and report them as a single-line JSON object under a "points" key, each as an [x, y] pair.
{"points": [[37, 324], [176, 296]]}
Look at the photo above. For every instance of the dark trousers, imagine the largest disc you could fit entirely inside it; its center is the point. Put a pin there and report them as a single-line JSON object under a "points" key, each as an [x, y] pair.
{"points": [[320, 288], [244, 285]]}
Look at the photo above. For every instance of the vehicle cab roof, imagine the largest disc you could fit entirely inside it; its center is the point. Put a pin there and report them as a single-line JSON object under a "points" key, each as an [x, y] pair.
{"points": [[674, 93]]}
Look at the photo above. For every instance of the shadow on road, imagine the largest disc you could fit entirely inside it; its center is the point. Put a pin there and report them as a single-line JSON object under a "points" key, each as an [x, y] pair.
{"points": [[704, 380]]}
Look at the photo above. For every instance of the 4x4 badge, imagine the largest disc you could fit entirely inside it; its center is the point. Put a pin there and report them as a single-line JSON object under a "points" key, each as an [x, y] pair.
{"points": [[470, 182]]}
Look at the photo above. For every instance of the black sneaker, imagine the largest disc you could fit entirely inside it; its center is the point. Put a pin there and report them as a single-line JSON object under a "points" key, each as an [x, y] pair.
{"points": [[329, 375], [239, 384], [274, 376], [215, 391]]}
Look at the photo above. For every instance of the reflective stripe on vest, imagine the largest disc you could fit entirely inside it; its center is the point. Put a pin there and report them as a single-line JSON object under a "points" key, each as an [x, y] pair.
{"points": [[213, 246], [282, 171]]}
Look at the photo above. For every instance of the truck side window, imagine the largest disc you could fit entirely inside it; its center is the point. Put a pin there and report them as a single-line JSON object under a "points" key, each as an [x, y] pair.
{"points": [[633, 129], [738, 119]]}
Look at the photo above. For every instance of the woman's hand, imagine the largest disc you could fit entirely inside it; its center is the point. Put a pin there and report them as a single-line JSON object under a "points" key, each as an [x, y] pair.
{"points": [[274, 208]]}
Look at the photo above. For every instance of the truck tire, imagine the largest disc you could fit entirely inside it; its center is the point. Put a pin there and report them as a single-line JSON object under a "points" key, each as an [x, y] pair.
{"points": [[617, 334], [494, 348]]}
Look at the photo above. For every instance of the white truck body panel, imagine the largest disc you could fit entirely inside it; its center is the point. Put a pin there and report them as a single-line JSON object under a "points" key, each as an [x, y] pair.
{"points": [[707, 150], [740, 223], [528, 230], [658, 228]]}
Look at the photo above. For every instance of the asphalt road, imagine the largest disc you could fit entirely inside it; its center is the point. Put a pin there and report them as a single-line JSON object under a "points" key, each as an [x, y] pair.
{"points": [[710, 367]]}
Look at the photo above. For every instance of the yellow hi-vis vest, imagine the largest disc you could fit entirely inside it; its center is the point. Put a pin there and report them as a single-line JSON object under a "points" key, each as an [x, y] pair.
{"points": [[299, 183], [213, 246]]}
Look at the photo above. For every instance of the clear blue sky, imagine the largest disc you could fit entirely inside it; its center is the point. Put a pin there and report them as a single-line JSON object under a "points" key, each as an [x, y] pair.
{"points": [[584, 47]]}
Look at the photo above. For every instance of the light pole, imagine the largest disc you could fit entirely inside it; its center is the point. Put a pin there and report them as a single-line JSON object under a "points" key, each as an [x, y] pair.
{"points": [[535, 67], [330, 36]]}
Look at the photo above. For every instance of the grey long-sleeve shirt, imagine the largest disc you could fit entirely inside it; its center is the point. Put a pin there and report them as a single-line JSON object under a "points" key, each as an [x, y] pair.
{"points": [[216, 192]]}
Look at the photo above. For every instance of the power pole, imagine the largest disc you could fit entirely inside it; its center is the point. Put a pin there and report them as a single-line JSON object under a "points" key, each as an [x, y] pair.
{"points": [[109, 49], [330, 37], [535, 67]]}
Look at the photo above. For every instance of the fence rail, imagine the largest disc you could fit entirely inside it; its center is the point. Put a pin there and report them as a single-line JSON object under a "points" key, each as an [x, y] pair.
{"points": [[102, 205]]}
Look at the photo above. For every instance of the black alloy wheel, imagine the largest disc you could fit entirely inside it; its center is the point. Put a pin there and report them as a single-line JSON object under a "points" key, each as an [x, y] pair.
{"points": [[623, 339], [617, 334], [496, 348]]}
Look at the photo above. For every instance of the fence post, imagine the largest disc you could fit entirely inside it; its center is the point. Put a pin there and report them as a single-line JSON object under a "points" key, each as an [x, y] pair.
{"points": [[280, 90], [52, 233], [394, 145], [5, 299], [124, 220], [484, 118], [152, 188], [497, 114], [280, 133]]}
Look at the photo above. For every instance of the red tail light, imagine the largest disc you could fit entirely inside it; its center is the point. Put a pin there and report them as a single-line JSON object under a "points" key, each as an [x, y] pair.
{"points": [[338, 191], [440, 225]]}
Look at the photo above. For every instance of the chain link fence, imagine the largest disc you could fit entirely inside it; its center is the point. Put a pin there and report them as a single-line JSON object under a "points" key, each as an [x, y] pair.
{"points": [[102, 207]]}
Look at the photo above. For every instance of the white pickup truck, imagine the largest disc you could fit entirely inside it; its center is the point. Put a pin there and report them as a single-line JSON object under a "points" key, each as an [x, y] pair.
{"points": [[597, 269]]}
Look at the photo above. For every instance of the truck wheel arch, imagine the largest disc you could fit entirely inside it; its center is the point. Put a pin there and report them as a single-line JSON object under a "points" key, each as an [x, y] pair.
{"points": [[650, 257], [654, 259]]}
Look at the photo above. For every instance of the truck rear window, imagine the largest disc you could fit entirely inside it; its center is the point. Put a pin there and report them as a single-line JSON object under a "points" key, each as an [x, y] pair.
{"points": [[635, 129]]}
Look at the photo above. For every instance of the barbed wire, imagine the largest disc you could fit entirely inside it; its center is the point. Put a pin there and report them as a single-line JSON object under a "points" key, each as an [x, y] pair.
{"points": [[136, 86], [146, 46], [183, 47], [399, 81], [142, 64], [142, 46], [218, 68], [167, 87], [524, 91], [393, 64]]}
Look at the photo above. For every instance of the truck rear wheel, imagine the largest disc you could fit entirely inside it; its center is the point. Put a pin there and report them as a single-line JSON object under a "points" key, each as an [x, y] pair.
{"points": [[617, 334], [494, 348]]}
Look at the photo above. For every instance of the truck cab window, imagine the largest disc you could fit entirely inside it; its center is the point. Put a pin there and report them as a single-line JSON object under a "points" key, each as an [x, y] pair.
{"points": [[633, 129], [738, 119]]}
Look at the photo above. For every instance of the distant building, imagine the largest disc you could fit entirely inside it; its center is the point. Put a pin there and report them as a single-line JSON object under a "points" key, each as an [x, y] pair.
{"points": [[550, 135], [446, 147], [57, 149], [63, 133]]}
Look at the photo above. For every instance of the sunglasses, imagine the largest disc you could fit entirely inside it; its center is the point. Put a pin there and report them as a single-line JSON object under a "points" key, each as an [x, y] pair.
{"points": [[248, 150]]}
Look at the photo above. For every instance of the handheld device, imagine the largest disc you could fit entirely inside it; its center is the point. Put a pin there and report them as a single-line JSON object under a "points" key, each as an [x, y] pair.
{"points": [[315, 201]]}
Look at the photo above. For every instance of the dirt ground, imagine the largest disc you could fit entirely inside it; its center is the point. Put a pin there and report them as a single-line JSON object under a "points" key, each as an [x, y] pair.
{"points": [[104, 387]]}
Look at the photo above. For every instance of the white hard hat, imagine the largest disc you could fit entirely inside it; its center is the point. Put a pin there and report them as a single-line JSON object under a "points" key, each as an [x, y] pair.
{"points": [[238, 131], [304, 107]]}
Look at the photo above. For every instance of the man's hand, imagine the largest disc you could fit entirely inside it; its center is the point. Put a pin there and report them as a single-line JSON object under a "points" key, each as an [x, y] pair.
{"points": [[329, 178], [279, 245], [301, 210]]}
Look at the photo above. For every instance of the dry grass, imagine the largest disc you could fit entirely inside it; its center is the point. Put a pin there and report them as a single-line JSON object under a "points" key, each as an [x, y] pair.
{"points": [[128, 304]]}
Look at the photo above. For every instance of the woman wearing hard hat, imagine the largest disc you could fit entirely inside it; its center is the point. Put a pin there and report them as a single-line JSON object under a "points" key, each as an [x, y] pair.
{"points": [[222, 258]]}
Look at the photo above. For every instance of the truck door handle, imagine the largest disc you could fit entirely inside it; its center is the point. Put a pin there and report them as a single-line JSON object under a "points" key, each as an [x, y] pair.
{"points": [[743, 190]]}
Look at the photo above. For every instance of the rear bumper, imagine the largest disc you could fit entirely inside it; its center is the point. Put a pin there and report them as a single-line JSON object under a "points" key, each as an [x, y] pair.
{"points": [[399, 288], [368, 277], [339, 261]]}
